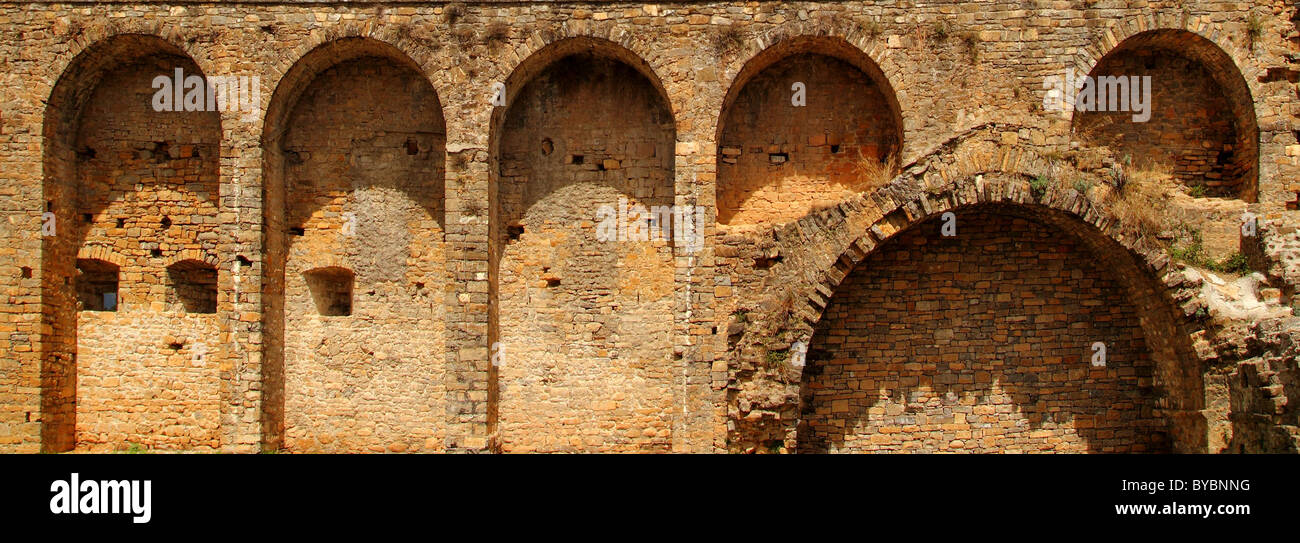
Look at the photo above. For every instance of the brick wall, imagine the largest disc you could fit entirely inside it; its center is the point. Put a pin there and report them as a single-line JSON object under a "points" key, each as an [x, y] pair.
{"points": [[145, 193], [979, 343]]}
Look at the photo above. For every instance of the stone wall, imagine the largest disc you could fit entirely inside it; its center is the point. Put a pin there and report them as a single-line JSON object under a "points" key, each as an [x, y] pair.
{"points": [[1263, 387], [636, 346], [143, 203], [148, 379]]}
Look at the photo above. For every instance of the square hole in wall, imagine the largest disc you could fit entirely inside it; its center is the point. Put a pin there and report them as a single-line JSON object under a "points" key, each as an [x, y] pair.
{"points": [[192, 286], [96, 285], [331, 290]]}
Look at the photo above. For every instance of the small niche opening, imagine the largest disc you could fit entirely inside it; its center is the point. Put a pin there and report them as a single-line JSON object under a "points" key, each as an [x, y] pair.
{"points": [[514, 231], [778, 158], [297, 231], [331, 290], [121, 223], [26, 272], [192, 286], [412, 147], [835, 149], [763, 262], [161, 152], [155, 253], [87, 218], [548, 146], [166, 223], [577, 159], [96, 285]]}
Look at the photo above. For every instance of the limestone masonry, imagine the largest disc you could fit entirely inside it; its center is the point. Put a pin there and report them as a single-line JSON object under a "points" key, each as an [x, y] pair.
{"points": [[552, 226]]}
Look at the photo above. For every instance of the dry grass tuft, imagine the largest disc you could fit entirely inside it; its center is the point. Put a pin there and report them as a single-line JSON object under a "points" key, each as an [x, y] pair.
{"points": [[874, 172], [728, 40], [1141, 199]]}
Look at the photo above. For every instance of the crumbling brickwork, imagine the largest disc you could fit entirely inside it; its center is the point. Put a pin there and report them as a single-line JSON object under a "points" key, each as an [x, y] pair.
{"points": [[386, 253]]}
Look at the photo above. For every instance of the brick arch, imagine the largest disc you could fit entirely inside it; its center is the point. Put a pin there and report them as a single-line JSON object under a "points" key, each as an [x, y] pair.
{"points": [[963, 184], [835, 37], [100, 252], [88, 52], [332, 46], [1000, 177], [1229, 65], [816, 175], [319, 261], [539, 49], [545, 255], [98, 56], [76, 72], [1121, 30], [357, 184], [1084, 291], [542, 49], [193, 255]]}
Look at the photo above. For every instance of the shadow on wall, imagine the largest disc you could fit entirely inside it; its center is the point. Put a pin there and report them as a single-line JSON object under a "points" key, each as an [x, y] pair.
{"points": [[980, 343], [585, 322], [355, 264], [1202, 120], [778, 160], [136, 182]]}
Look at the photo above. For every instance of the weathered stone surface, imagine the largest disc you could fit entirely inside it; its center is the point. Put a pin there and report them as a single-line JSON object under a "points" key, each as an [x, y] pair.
{"points": [[379, 257]]}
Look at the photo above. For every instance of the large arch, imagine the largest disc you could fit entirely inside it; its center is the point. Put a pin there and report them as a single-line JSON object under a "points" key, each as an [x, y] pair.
{"points": [[777, 160], [581, 323], [1202, 128], [815, 254], [354, 147], [129, 175], [984, 342]]}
